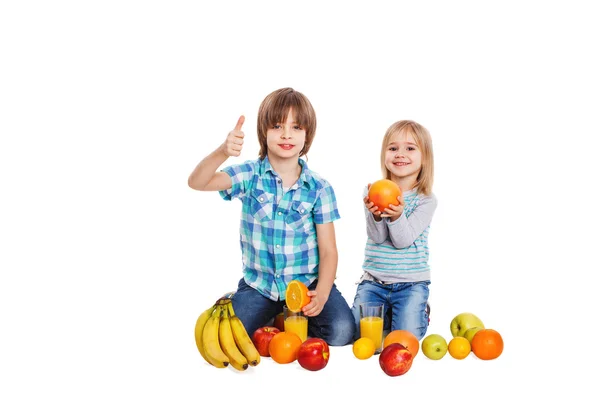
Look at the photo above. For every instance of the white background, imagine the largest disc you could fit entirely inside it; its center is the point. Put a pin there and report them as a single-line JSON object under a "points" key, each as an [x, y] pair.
{"points": [[108, 258]]}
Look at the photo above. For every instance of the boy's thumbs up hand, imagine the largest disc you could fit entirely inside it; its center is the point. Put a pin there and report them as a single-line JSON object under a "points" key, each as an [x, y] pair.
{"points": [[235, 140]]}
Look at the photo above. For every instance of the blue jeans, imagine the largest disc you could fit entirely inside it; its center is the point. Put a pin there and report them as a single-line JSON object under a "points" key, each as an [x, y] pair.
{"points": [[335, 324], [404, 305]]}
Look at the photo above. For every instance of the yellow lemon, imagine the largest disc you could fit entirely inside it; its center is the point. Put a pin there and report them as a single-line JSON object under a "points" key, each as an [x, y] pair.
{"points": [[363, 348], [459, 347]]}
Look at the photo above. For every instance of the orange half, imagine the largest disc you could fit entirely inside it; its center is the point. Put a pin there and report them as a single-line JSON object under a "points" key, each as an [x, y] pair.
{"points": [[296, 296]]}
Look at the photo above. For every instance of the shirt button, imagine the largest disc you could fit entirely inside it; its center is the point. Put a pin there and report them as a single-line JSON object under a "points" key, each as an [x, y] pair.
{"points": [[278, 246], [301, 211], [279, 213], [261, 199], [277, 275]]}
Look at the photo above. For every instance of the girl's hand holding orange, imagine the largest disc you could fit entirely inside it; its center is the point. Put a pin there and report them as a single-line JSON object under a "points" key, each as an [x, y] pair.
{"points": [[394, 212], [371, 207]]}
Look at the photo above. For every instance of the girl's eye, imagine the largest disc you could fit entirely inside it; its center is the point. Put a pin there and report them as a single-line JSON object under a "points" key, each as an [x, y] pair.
{"points": [[393, 149], [410, 148]]}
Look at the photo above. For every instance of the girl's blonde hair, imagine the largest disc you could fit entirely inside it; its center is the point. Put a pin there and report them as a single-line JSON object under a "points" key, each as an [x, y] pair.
{"points": [[423, 138], [274, 110]]}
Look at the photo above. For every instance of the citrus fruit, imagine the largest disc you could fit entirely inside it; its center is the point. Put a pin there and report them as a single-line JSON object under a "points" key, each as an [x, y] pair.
{"points": [[296, 296], [487, 344], [459, 347], [284, 347], [363, 348], [405, 338], [384, 192]]}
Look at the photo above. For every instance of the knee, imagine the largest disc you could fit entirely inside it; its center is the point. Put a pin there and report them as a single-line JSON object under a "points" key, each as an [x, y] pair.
{"points": [[342, 332]]}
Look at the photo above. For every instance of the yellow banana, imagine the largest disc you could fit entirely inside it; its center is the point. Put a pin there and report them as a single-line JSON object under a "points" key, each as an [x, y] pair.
{"points": [[210, 340], [200, 323], [243, 341], [236, 358]]}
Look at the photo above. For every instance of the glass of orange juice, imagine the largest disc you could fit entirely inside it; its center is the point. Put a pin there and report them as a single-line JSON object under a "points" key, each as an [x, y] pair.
{"points": [[371, 323], [295, 322]]}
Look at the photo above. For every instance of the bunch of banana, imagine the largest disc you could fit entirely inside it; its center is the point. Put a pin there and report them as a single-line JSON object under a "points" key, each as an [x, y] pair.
{"points": [[222, 339]]}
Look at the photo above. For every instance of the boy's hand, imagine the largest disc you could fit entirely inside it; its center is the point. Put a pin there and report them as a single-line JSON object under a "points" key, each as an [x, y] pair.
{"points": [[394, 212], [317, 302], [232, 147], [373, 209]]}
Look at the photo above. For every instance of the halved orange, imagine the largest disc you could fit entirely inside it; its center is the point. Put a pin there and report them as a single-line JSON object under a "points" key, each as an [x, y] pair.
{"points": [[296, 296]]}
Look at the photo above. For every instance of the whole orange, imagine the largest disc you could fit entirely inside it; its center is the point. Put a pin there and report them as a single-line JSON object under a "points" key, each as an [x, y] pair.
{"points": [[384, 192], [405, 338], [487, 344], [284, 347], [459, 347]]}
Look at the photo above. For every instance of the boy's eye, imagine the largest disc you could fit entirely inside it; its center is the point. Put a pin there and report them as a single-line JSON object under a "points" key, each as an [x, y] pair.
{"points": [[297, 127], [277, 126]]}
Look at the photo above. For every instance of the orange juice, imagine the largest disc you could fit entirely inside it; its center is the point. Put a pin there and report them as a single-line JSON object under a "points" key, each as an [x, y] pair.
{"points": [[372, 327], [297, 325]]}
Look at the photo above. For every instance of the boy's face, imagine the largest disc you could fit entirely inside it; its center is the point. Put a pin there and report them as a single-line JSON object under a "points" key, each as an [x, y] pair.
{"points": [[286, 139], [403, 156]]}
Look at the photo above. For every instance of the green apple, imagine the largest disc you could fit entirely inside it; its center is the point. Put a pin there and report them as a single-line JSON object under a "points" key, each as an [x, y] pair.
{"points": [[463, 322], [434, 346], [471, 332]]}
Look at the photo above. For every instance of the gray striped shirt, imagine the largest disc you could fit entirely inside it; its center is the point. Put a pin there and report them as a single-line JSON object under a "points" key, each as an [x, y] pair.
{"points": [[398, 251]]}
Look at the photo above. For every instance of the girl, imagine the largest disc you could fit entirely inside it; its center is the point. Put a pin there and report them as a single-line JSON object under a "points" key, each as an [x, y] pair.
{"points": [[286, 229], [396, 269]]}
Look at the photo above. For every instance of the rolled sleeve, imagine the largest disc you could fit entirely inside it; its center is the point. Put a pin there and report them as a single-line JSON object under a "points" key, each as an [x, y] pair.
{"points": [[240, 175], [325, 209]]}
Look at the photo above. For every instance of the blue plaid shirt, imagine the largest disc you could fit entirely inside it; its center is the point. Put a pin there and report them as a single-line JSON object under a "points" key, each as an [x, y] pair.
{"points": [[277, 231]]}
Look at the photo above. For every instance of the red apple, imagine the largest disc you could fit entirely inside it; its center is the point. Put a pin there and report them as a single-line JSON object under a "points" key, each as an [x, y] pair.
{"points": [[395, 359], [313, 354], [262, 337], [278, 322]]}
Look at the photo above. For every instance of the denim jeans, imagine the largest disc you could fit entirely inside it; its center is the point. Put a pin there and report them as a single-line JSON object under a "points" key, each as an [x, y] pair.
{"points": [[404, 305], [335, 323]]}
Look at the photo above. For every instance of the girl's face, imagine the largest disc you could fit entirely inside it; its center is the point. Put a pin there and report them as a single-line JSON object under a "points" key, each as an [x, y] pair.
{"points": [[286, 139], [403, 157]]}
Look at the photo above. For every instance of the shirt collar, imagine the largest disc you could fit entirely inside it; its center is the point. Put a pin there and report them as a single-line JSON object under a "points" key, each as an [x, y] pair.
{"points": [[305, 176]]}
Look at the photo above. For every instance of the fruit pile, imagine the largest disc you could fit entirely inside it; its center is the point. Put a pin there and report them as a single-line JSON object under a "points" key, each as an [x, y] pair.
{"points": [[468, 335], [286, 347], [400, 347], [222, 339]]}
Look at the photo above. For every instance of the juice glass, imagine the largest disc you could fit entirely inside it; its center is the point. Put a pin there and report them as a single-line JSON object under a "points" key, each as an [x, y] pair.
{"points": [[295, 322], [371, 323]]}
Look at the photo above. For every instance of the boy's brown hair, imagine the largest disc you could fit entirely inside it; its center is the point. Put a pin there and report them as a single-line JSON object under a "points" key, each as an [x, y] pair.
{"points": [[274, 110]]}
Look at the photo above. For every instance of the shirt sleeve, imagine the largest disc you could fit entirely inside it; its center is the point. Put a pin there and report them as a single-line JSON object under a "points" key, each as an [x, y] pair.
{"points": [[325, 209], [241, 175], [404, 231], [377, 231]]}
